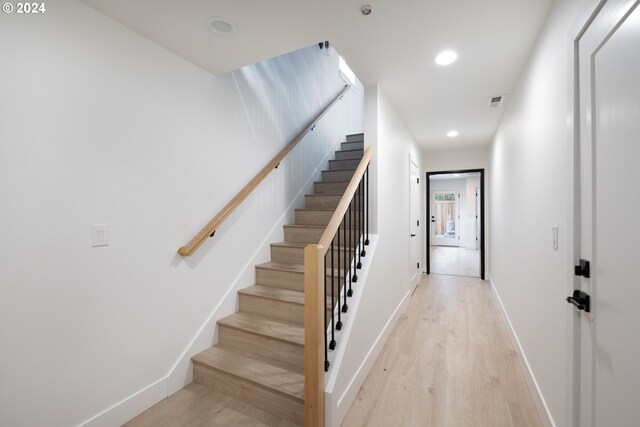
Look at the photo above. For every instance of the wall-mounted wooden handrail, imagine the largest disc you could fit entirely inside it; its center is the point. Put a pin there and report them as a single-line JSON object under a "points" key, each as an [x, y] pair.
{"points": [[213, 225], [314, 303]]}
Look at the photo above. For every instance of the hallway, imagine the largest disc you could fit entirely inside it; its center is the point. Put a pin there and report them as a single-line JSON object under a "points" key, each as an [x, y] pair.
{"points": [[448, 362], [455, 261]]}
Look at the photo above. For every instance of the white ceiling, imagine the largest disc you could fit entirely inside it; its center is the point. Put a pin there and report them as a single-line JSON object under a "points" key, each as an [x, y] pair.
{"points": [[394, 47]]}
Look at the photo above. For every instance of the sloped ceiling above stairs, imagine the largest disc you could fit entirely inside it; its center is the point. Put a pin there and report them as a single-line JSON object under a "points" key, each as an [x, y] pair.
{"points": [[394, 47]]}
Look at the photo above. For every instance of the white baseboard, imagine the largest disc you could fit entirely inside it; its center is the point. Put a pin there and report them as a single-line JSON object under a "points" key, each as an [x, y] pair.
{"points": [[129, 407], [534, 389], [338, 406]]}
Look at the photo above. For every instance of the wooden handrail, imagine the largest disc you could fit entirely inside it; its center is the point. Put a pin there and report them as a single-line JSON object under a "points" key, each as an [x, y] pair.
{"points": [[212, 226], [337, 216], [314, 300]]}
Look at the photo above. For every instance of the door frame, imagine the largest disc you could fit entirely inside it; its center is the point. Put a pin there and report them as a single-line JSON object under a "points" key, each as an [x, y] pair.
{"points": [[412, 163], [585, 17], [572, 381], [482, 216]]}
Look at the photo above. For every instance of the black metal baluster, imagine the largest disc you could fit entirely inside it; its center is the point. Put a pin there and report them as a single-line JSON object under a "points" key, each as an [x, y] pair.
{"points": [[332, 344], [326, 350], [363, 252], [353, 248], [345, 307], [366, 242], [339, 324], [359, 222]]}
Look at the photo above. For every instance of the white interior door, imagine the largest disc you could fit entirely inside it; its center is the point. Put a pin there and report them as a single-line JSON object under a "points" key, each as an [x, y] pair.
{"points": [[414, 221], [445, 217], [478, 213], [609, 116]]}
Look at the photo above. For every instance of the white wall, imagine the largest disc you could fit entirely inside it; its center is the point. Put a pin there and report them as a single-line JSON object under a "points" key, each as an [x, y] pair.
{"points": [[530, 194], [388, 282], [434, 161], [99, 125]]}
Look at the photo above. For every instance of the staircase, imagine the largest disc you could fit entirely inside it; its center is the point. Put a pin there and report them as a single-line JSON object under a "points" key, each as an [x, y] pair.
{"points": [[259, 358]]}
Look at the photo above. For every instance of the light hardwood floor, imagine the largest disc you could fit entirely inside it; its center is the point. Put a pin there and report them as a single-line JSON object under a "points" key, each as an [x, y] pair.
{"points": [[448, 362], [455, 261], [199, 406]]}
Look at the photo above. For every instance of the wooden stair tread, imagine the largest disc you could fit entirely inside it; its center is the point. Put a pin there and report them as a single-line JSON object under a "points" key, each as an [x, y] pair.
{"points": [[290, 244], [265, 326], [282, 266], [242, 364], [324, 194], [302, 245], [273, 293], [332, 182], [338, 170], [291, 267]]}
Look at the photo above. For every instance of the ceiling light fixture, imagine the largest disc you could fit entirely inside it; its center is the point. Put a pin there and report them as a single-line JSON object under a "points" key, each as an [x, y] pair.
{"points": [[220, 26], [446, 57], [452, 133]]}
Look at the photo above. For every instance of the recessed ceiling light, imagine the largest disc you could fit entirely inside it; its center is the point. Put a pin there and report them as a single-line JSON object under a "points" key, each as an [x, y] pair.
{"points": [[452, 133], [220, 26], [446, 57]]}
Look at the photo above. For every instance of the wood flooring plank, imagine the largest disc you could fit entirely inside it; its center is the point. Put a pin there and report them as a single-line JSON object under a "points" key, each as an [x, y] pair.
{"points": [[448, 362], [199, 406]]}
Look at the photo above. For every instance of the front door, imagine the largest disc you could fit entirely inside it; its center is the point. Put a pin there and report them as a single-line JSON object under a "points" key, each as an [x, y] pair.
{"points": [[608, 93], [445, 216]]}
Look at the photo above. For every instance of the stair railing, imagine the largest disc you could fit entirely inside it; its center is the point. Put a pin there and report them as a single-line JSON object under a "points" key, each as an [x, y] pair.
{"points": [[210, 229], [330, 269]]}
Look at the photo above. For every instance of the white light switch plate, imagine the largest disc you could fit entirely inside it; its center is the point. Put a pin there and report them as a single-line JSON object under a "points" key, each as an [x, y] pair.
{"points": [[555, 237], [99, 235]]}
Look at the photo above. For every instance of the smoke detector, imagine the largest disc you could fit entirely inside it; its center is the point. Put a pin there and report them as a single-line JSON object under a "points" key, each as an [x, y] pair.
{"points": [[496, 101], [220, 26], [366, 10]]}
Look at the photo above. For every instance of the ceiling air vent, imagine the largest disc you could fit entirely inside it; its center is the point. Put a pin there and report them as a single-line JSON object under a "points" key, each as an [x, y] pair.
{"points": [[496, 101]]}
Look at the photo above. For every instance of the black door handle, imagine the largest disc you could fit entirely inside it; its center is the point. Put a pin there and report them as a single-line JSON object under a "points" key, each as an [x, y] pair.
{"points": [[581, 300], [413, 235]]}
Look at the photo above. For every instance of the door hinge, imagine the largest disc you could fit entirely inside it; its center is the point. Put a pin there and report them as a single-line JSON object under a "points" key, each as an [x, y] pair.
{"points": [[418, 265], [417, 180], [418, 223]]}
